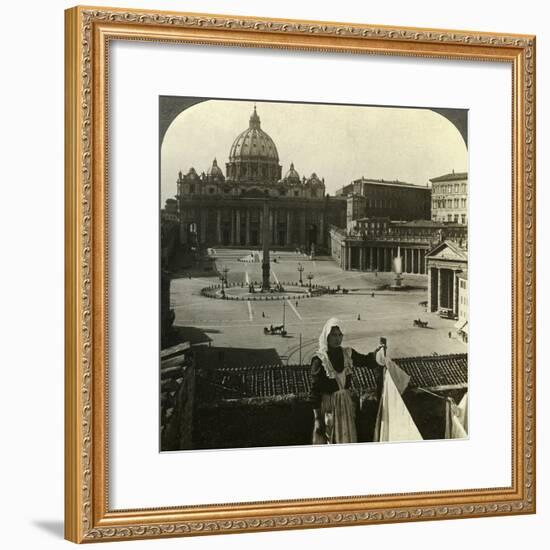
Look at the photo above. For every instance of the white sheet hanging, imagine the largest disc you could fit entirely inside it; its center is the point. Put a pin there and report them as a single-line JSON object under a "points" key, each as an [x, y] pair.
{"points": [[454, 428], [463, 412], [394, 422]]}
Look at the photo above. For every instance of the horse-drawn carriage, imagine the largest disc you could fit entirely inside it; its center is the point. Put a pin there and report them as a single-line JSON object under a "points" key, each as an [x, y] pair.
{"points": [[420, 324], [271, 330]]}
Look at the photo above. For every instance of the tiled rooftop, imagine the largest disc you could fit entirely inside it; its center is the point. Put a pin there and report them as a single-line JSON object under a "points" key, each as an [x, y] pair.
{"points": [[428, 372]]}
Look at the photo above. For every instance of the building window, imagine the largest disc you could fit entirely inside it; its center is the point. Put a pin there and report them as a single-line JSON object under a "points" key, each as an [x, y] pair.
{"points": [[296, 193], [211, 190], [192, 188], [464, 218]]}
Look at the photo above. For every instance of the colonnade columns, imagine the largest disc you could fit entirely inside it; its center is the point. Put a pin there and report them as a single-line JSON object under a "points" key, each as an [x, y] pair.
{"points": [[348, 257], [238, 226], [361, 259], [247, 231], [371, 259]]}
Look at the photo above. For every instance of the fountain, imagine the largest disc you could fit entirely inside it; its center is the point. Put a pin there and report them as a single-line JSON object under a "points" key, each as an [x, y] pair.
{"points": [[397, 267]]}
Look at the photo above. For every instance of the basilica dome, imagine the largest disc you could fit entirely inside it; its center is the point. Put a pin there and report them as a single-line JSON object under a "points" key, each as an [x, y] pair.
{"points": [[253, 155], [253, 143]]}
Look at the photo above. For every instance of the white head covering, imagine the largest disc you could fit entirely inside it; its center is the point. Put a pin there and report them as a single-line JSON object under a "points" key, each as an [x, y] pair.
{"points": [[322, 351]]}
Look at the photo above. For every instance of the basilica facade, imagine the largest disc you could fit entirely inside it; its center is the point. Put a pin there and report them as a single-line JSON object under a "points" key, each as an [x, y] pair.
{"points": [[229, 209]]}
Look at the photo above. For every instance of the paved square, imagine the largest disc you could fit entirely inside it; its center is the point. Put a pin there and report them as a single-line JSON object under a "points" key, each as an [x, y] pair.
{"points": [[240, 324]]}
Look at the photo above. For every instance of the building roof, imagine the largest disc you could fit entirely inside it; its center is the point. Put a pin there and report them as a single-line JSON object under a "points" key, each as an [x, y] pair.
{"points": [[394, 183], [457, 251], [453, 176], [269, 381]]}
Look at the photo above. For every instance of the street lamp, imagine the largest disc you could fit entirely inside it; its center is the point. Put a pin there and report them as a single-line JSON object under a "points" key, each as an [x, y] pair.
{"points": [[301, 270], [225, 271], [310, 276]]}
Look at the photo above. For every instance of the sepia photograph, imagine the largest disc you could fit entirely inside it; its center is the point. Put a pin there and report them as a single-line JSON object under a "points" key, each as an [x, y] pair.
{"points": [[313, 273]]}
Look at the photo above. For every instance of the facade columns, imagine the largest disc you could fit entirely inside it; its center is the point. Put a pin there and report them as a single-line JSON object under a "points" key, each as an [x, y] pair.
{"points": [[247, 229], [218, 226], [202, 226], [455, 292], [261, 232], [371, 260], [348, 254], [288, 220], [439, 289], [238, 226], [303, 229], [361, 253]]}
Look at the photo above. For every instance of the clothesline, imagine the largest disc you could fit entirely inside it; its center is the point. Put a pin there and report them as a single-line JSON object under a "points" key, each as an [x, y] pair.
{"points": [[433, 394]]}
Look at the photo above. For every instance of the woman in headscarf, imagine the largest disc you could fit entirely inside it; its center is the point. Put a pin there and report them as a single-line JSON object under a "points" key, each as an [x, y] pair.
{"points": [[331, 367]]}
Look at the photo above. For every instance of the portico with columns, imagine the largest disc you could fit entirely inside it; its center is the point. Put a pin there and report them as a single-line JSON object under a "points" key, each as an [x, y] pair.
{"points": [[445, 263]]}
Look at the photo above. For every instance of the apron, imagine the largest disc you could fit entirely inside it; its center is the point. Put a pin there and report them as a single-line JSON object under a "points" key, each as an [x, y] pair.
{"points": [[338, 411]]}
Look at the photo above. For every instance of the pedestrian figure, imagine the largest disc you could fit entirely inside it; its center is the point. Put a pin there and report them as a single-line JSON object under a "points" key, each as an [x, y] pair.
{"points": [[263, 314], [449, 334], [296, 303], [358, 316], [372, 295]]}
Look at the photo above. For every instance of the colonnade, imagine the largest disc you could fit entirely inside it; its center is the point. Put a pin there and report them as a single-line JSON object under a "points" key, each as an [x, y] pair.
{"points": [[381, 258]]}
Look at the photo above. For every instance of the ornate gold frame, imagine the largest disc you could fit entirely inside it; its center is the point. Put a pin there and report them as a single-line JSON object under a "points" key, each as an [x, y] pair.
{"points": [[88, 32]]}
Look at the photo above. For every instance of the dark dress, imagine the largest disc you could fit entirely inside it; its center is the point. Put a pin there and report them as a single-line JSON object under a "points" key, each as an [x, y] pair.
{"points": [[322, 384]]}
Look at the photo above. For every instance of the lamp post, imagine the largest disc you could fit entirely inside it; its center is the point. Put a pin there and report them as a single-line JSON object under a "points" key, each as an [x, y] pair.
{"points": [[300, 270], [310, 276]]}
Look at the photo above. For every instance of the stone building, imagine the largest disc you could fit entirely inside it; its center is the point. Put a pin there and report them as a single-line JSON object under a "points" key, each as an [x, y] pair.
{"points": [[450, 198], [396, 200], [446, 263], [462, 323], [228, 209]]}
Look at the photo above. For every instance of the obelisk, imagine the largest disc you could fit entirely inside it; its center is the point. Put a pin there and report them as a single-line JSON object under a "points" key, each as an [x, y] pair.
{"points": [[266, 242]]}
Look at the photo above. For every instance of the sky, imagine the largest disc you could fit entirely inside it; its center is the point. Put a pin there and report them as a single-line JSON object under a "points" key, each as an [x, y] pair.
{"points": [[338, 143]]}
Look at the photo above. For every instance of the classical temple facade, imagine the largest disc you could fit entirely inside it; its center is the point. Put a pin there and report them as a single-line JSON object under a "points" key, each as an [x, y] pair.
{"points": [[447, 267], [227, 209]]}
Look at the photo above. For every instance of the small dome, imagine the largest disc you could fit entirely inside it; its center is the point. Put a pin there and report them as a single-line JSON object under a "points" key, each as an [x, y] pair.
{"points": [[215, 171], [314, 179], [292, 175], [192, 174]]}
